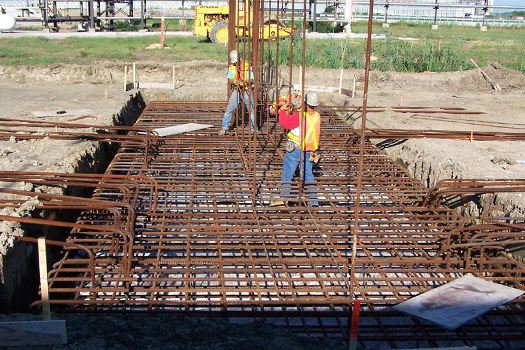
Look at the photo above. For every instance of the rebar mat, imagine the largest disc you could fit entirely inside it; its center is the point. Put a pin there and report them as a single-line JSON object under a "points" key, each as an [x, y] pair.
{"points": [[213, 245]]}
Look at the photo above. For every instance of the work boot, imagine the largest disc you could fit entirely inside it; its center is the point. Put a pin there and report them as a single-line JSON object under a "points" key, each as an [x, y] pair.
{"points": [[222, 132]]}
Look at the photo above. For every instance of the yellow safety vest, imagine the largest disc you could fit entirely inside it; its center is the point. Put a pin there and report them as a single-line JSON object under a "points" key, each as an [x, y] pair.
{"points": [[310, 141], [243, 73]]}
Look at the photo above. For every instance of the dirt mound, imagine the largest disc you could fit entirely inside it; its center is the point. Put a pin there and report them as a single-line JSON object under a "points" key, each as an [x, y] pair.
{"points": [[206, 80], [464, 81]]}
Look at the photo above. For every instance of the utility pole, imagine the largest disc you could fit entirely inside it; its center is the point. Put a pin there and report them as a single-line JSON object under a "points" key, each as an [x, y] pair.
{"points": [[436, 8], [484, 9], [348, 16], [385, 23]]}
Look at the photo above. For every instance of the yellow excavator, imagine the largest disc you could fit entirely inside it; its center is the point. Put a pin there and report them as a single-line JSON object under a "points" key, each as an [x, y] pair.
{"points": [[212, 22]]}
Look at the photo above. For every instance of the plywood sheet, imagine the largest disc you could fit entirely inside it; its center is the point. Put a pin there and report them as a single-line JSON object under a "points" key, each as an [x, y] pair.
{"points": [[458, 302]]}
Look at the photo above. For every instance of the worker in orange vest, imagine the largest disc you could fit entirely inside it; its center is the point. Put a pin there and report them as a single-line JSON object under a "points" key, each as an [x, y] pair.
{"points": [[303, 142], [240, 77]]}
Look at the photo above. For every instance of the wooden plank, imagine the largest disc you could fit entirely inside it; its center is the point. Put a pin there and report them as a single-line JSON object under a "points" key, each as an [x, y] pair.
{"points": [[180, 129], [334, 90], [154, 85], [33, 333], [44, 286]]}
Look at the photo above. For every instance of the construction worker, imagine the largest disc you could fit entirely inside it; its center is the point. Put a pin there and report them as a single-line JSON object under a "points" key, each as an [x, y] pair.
{"points": [[303, 142], [240, 76], [294, 100]]}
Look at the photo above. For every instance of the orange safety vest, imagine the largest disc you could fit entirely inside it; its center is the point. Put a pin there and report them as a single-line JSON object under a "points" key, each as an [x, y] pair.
{"points": [[312, 130]]}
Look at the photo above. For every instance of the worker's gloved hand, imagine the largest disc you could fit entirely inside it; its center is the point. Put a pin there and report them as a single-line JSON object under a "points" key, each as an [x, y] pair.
{"points": [[238, 83], [289, 146], [288, 107], [314, 156]]}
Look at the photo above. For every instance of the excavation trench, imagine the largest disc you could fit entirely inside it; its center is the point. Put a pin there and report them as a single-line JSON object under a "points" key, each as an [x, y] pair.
{"points": [[202, 245], [20, 284], [192, 238]]}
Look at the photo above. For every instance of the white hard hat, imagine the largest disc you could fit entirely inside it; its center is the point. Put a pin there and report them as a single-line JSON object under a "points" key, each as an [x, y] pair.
{"points": [[296, 87], [234, 56], [312, 99]]}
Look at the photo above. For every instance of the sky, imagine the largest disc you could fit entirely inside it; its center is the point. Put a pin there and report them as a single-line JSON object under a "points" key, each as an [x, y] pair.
{"points": [[509, 2]]}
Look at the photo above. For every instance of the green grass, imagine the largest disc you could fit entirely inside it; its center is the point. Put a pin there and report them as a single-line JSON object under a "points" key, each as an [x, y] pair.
{"points": [[449, 48], [42, 51]]}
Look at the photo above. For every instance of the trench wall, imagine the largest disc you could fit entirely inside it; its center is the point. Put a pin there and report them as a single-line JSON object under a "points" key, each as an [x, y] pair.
{"points": [[19, 281], [430, 168]]}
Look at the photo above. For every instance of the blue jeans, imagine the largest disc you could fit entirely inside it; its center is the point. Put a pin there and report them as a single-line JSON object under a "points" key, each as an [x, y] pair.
{"points": [[291, 162], [233, 101]]}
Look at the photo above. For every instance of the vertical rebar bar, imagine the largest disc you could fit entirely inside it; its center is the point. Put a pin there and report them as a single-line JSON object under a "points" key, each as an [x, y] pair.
{"points": [[355, 228]]}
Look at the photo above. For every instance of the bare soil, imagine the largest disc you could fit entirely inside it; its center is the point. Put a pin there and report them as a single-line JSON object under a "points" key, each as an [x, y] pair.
{"points": [[168, 332], [26, 90]]}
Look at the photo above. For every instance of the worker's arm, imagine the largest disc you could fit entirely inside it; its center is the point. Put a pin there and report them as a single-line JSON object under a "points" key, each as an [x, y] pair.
{"points": [[288, 120]]}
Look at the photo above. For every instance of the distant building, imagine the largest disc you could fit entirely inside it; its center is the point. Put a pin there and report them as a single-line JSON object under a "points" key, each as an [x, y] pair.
{"points": [[425, 8], [410, 8]]}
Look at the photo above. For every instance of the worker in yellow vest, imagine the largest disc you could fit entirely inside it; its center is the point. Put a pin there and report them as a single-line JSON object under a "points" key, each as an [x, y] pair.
{"points": [[303, 142], [240, 77]]}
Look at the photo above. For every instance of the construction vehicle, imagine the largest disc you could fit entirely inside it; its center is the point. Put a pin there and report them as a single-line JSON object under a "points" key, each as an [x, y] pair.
{"points": [[212, 22]]}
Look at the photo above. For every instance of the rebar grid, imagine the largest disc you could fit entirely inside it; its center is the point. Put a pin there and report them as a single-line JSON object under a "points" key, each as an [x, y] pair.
{"points": [[214, 246], [210, 248]]}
